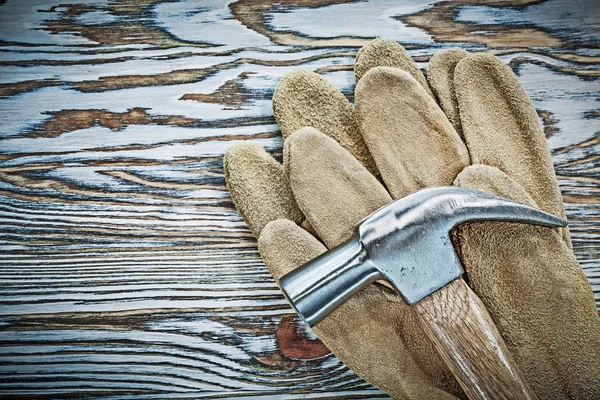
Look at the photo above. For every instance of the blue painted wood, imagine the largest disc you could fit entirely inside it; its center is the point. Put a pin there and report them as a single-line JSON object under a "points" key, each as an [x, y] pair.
{"points": [[124, 269]]}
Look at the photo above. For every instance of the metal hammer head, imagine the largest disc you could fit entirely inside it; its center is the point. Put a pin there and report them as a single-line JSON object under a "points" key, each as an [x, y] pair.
{"points": [[406, 243]]}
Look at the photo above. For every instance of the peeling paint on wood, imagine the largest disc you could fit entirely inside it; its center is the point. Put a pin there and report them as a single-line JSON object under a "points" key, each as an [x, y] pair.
{"points": [[124, 269]]}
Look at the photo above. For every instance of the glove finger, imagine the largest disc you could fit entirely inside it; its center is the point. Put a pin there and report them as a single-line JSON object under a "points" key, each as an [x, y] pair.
{"points": [[365, 332], [387, 53], [413, 143], [304, 98], [333, 190], [501, 128], [285, 246], [536, 293], [440, 75], [258, 187]]}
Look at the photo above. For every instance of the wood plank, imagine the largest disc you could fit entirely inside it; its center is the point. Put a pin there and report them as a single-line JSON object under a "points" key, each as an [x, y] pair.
{"points": [[124, 268]]}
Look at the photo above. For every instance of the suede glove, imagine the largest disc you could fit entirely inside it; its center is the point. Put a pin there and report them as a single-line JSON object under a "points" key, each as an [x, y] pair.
{"points": [[470, 124]]}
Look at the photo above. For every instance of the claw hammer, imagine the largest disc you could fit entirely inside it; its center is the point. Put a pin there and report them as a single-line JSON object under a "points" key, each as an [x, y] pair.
{"points": [[407, 243]]}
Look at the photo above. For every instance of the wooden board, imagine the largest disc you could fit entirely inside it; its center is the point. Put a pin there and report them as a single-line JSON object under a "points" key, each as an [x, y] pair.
{"points": [[124, 268]]}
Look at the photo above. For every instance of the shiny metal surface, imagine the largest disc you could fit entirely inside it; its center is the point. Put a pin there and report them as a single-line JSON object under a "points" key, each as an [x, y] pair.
{"points": [[406, 243], [321, 286]]}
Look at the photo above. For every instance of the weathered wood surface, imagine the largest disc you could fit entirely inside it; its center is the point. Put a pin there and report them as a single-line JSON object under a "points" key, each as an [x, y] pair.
{"points": [[124, 268]]}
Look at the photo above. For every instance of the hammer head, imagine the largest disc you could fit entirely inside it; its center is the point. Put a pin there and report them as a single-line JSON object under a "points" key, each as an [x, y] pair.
{"points": [[406, 243]]}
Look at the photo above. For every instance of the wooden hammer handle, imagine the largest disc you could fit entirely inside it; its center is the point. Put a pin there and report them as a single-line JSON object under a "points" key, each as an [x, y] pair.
{"points": [[466, 337]]}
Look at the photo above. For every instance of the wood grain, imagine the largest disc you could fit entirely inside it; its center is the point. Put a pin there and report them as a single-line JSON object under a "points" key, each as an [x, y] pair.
{"points": [[467, 339], [124, 269]]}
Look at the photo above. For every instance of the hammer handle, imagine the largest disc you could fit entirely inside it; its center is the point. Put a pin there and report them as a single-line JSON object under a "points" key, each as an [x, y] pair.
{"points": [[466, 337]]}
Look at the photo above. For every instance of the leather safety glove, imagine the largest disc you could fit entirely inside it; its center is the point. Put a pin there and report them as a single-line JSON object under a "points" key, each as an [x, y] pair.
{"points": [[341, 163]]}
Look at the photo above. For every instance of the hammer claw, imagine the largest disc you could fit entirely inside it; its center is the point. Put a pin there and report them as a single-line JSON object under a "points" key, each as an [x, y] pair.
{"points": [[479, 206]]}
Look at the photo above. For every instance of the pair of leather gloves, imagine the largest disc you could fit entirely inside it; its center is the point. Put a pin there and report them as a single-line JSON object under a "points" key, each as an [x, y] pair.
{"points": [[468, 123]]}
